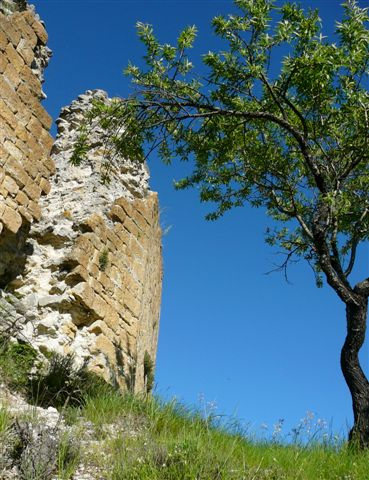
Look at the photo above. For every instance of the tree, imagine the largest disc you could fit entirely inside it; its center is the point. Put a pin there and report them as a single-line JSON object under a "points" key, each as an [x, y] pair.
{"points": [[293, 139]]}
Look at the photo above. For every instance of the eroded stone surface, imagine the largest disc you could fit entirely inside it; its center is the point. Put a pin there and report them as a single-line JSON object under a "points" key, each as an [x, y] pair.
{"points": [[10, 6], [91, 284]]}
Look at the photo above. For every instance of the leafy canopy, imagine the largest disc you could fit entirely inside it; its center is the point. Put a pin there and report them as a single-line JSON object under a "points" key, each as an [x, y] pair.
{"points": [[293, 139]]}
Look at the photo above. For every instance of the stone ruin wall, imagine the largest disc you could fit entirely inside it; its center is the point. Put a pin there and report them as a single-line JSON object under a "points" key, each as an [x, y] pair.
{"points": [[25, 142], [80, 261]]}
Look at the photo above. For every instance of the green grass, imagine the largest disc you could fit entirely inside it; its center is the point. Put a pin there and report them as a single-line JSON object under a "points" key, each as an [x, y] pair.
{"points": [[5, 421], [145, 438], [167, 441], [68, 457], [16, 361]]}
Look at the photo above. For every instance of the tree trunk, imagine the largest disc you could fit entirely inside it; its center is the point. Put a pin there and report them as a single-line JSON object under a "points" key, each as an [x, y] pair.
{"points": [[355, 378]]}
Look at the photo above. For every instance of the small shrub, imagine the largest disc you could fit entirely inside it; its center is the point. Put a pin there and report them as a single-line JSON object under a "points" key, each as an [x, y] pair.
{"points": [[148, 372], [103, 259], [63, 384], [16, 362]]}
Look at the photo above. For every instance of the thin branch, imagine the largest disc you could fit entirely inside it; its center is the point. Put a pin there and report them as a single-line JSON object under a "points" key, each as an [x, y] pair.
{"points": [[271, 91]]}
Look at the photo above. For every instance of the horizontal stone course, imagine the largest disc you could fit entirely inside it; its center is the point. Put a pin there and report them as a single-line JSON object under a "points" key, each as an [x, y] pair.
{"points": [[24, 124]]}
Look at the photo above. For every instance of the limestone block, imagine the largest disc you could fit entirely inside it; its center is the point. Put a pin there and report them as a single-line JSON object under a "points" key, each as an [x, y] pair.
{"points": [[22, 199], [94, 240], [12, 75], [10, 31], [95, 285], [3, 38], [26, 31], [105, 282], [140, 221], [99, 327], [133, 305], [93, 270], [78, 275], [11, 219], [13, 150], [69, 329], [32, 190], [7, 93], [34, 209], [26, 52], [14, 167], [42, 115], [117, 214], [85, 245], [112, 319], [100, 307], [46, 141], [25, 214], [14, 58], [28, 16], [45, 185], [40, 32], [125, 204], [145, 209], [10, 185], [22, 134], [131, 227], [84, 294], [3, 62], [106, 346]]}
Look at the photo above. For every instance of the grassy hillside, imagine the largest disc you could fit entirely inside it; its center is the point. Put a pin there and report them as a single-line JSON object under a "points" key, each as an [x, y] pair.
{"points": [[117, 437], [177, 444]]}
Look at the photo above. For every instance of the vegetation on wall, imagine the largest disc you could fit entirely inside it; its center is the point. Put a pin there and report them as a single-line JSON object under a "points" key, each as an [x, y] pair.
{"points": [[149, 367], [103, 259]]}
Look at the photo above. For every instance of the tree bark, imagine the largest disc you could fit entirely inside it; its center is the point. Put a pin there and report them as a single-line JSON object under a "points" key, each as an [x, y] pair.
{"points": [[356, 380]]}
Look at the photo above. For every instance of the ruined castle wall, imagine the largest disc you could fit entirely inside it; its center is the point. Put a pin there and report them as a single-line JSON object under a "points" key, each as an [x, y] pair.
{"points": [[25, 142], [91, 284], [80, 259]]}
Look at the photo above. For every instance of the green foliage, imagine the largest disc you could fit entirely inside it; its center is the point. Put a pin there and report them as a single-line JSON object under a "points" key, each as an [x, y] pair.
{"points": [[104, 408], [5, 422], [293, 140], [68, 457], [81, 148], [16, 362], [63, 384], [148, 372], [174, 442], [143, 438], [104, 259]]}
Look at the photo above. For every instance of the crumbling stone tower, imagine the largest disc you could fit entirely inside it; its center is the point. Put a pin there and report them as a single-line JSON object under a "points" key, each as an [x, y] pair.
{"points": [[80, 260]]}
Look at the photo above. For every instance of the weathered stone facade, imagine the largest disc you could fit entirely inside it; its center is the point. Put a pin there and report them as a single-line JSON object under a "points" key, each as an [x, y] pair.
{"points": [[25, 142], [80, 259]]}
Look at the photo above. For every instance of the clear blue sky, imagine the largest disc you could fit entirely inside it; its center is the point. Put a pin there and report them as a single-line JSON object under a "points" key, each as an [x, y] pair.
{"points": [[257, 346]]}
